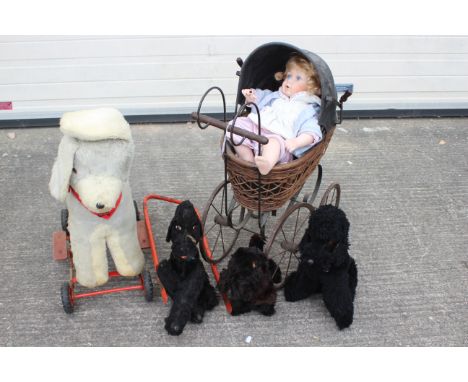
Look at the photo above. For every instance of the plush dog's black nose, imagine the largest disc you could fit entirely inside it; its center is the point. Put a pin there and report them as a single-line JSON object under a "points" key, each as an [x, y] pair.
{"points": [[99, 206]]}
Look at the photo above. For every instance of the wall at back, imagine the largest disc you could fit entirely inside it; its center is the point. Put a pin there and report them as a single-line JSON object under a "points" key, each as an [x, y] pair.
{"points": [[44, 76]]}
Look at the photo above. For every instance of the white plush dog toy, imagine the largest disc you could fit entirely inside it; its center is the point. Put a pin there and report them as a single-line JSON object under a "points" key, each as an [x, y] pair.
{"points": [[91, 175]]}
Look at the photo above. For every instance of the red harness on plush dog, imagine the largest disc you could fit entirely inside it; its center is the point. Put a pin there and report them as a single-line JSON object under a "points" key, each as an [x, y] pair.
{"points": [[106, 215]]}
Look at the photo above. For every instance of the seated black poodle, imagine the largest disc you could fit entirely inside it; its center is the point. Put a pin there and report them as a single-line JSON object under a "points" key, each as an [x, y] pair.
{"points": [[248, 280], [183, 275], [325, 265]]}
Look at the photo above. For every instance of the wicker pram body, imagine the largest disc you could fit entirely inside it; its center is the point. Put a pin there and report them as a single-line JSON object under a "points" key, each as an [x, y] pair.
{"points": [[282, 183]]}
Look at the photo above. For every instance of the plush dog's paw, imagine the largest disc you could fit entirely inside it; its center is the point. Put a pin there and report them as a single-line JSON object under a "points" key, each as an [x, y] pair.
{"points": [[344, 321], [266, 310], [173, 328], [239, 307], [289, 290], [197, 315]]}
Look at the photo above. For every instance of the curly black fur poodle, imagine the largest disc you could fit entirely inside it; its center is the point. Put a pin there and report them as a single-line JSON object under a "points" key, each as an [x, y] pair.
{"points": [[248, 281], [183, 275], [325, 265]]}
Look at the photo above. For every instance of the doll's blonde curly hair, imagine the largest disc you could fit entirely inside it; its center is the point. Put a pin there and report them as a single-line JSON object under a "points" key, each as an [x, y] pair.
{"points": [[313, 82]]}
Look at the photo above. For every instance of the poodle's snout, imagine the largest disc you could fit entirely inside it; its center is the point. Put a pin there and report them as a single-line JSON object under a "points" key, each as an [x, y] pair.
{"points": [[185, 250], [99, 193]]}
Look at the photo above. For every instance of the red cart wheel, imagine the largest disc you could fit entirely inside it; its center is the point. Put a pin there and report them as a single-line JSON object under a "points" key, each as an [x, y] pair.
{"points": [[64, 220], [147, 285], [67, 299]]}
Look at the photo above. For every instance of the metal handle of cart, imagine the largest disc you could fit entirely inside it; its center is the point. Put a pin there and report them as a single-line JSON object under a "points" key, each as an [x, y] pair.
{"points": [[224, 126], [231, 128], [347, 90]]}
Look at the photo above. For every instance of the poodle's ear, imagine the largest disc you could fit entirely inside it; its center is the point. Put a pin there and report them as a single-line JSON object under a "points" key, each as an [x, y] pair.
{"points": [[62, 169], [200, 227], [169, 231], [338, 251], [129, 160]]}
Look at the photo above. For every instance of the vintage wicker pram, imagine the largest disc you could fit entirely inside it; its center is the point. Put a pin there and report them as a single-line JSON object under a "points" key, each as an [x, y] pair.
{"points": [[251, 195]]}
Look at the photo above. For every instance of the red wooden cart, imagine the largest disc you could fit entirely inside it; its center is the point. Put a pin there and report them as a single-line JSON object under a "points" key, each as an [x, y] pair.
{"points": [[62, 251]]}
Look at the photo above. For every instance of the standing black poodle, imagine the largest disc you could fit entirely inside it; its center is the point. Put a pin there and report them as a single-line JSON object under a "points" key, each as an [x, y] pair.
{"points": [[183, 275], [248, 280], [325, 265]]}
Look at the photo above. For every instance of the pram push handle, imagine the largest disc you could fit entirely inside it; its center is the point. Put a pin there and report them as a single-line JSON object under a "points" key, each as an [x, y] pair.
{"points": [[224, 125]]}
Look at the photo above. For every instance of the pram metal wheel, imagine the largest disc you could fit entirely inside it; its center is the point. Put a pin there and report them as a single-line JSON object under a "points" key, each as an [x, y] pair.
{"points": [[332, 195], [222, 224], [283, 245]]}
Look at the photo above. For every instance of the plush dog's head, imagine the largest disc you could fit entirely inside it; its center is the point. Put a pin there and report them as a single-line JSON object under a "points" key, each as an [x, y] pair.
{"points": [[325, 242], [248, 276], [94, 158], [185, 232]]}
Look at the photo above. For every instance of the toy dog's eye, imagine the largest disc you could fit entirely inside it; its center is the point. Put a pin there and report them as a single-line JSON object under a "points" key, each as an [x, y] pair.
{"points": [[178, 228], [74, 170], [194, 227]]}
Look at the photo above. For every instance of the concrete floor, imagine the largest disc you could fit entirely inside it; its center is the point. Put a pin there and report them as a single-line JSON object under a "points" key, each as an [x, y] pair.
{"points": [[405, 191]]}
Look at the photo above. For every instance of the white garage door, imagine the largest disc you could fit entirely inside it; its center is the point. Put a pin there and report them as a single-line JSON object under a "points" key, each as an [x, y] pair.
{"points": [[44, 76]]}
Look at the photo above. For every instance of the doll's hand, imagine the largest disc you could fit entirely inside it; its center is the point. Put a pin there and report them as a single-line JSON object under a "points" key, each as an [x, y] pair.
{"points": [[249, 95], [291, 144], [300, 141]]}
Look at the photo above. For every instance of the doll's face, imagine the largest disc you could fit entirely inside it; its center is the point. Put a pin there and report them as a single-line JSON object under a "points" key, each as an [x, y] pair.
{"points": [[295, 81]]}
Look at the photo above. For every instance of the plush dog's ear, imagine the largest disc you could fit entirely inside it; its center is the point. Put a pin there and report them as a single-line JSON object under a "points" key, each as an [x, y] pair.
{"points": [[62, 169], [169, 231], [128, 160], [199, 227], [339, 252]]}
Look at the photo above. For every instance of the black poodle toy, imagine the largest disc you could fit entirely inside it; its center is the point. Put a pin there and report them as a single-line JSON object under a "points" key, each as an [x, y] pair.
{"points": [[325, 265], [248, 280], [183, 275]]}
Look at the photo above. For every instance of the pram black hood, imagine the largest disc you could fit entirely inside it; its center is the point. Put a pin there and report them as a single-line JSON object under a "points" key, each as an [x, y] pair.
{"points": [[261, 65]]}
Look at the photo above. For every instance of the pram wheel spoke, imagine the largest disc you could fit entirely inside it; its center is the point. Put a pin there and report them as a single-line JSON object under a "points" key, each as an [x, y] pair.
{"points": [[283, 245]]}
